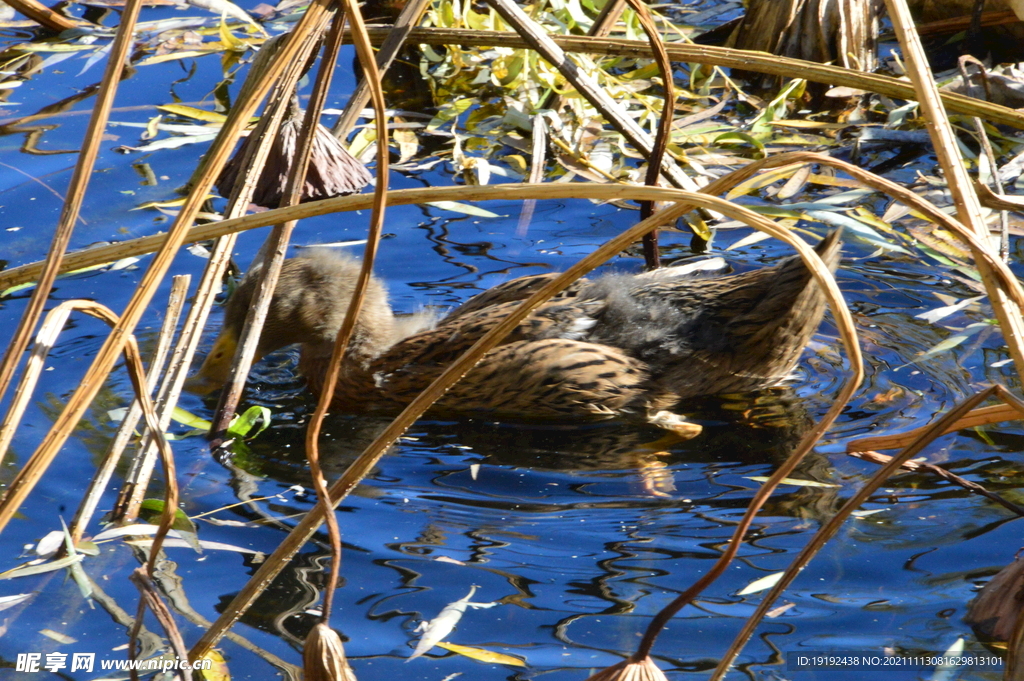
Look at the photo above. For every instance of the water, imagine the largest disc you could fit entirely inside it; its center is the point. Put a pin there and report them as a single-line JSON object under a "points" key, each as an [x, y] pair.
{"points": [[580, 534]]}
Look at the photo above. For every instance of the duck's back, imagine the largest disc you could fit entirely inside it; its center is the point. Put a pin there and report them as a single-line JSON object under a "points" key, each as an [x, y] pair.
{"points": [[709, 336], [630, 340]]}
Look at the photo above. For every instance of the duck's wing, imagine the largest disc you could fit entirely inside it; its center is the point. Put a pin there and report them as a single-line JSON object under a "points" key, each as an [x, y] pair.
{"points": [[513, 290], [547, 379], [559, 318], [729, 334]]}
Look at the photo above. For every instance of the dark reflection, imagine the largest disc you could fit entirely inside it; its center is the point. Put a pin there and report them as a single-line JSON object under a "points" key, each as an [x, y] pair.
{"points": [[740, 430]]}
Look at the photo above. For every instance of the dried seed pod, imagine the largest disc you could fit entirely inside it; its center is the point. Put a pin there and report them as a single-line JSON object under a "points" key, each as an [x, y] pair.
{"points": [[323, 656], [332, 170]]}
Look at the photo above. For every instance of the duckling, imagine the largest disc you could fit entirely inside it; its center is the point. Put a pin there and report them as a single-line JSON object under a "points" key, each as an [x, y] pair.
{"points": [[621, 346]]}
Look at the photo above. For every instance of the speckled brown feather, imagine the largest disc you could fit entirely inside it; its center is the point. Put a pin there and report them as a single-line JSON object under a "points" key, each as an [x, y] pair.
{"points": [[622, 345]]}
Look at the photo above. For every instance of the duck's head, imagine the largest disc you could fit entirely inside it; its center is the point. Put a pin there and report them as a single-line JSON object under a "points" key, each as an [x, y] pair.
{"points": [[309, 304]]}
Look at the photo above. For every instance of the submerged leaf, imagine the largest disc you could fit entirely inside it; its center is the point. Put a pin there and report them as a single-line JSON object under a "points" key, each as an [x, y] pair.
{"points": [[792, 481], [436, 629], [481, 655]]}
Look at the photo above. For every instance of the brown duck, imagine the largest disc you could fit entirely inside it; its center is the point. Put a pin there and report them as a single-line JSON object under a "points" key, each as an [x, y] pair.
{"points": [[618, 346]]}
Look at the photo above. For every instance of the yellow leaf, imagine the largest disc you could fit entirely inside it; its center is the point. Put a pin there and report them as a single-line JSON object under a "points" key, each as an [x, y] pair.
{"points": [[188, 419], [228, 39], [481, 655], [187, 54], [218, 670], [193, 112]]}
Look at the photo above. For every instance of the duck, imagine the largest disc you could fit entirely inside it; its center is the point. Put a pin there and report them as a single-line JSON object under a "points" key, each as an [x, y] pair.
{"points": [[621, 346]]}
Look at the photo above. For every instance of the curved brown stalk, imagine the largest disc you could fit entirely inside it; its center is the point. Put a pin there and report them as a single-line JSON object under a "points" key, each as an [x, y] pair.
{"points": [[650, 240], [947, 151], [722, 56], [372, 76], [509, 192], [276, 245], [1006, 278]]}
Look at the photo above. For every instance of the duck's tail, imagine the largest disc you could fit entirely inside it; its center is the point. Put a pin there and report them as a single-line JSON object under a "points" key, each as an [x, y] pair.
{"points": [[787, 305], [752, 327]]}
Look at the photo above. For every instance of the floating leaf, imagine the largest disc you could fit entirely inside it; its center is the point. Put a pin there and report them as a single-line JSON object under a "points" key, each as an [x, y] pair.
{"points": [[947, 672], [77, 573], [792, 481], [152, 509], [856, 227], [740, 136], [943, 312], [41, 568], [436, 629], [228, 39], [865, 514], [952, 341], [7, 602], [481, 655], [193, 112], [761, 584], [223, 7], [218, 670], [191, 420], [182, 543], [58, 637], [468, 209], [185, 54]]}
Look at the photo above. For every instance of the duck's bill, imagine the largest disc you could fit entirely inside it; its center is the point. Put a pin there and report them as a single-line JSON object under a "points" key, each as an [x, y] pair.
{"points": [[216, 368]]}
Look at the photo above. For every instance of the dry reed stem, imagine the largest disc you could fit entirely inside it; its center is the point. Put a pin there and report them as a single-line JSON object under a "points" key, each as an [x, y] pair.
{"points": [[650, 241], [602, 26], [275, 247], [916, 466], [254, 158], [538, 157], [137, 374], [685, 201], [720, 56], [396, 38], [24, 481], [979, 417], [630, 670], [175, 304], [510, 192], [1006, 278], [41, 14], [151, 599], [959, 182], [829, 529], [119, 51]]}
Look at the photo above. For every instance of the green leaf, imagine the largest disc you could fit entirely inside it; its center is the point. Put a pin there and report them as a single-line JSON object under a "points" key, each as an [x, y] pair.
{"points": [[254, 417], [191, 420], [742, 137]]}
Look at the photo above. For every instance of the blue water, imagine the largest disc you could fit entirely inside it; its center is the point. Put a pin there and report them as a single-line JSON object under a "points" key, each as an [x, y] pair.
{"points": [[579, 534]]}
